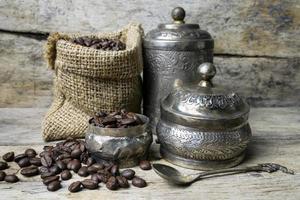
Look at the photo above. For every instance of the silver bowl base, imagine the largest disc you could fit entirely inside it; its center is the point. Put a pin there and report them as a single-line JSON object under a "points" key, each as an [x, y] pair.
{"points": [[201, 164], [128, 163]]}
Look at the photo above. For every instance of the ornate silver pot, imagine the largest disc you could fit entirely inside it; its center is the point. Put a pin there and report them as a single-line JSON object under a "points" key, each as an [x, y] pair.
{"points": [[171, 51], [126, 146], [203, 126]]}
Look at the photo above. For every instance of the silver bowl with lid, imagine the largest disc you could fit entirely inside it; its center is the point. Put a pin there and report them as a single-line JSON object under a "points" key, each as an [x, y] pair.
{"points": [[203, 126]]}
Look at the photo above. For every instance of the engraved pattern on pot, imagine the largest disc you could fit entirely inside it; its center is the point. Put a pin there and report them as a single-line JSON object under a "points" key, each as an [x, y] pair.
{"points": [[209, 101], [206, 145]]}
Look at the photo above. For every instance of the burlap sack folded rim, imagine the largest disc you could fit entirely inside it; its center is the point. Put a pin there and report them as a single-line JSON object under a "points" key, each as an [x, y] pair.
{"points": [[81, 60]]}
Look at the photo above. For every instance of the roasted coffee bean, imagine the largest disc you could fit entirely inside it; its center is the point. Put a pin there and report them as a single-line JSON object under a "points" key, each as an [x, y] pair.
{"points": [[11, 178], [3, 165], [95, 167], [19, 157], [2, 175], [43, 169], [35, 161], [63, 156], [66, 161], [30, 153], [109, 120], [128, 174], [103, 178], [122, 181], [75, 165], [138, 182], [83, 171], [66, 175], [55, 169], [127, 121], [54, 186], [114, 170], [61, 165], [90, 161], [112, 183], [76, 153], [24, 162], [30, 171], [47, 174], [9, 156], [50, 179], [46, 161], [101, 44], [75, 186], [95, 178], [89, 184], [145, 165]]}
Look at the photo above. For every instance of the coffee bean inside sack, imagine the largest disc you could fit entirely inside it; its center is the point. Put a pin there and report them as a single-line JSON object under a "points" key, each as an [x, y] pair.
{"points": [[118, 119], [104, 44], [59, 162]]}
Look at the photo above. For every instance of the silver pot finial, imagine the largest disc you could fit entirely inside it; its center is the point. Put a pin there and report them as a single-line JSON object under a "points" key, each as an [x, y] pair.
{"points": [[178, 15], [207, 71]]}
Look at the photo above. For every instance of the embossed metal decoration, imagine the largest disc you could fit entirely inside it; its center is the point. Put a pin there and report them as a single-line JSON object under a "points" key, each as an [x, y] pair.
{"points": [[126, 146], [203, 126], [172, 51]]}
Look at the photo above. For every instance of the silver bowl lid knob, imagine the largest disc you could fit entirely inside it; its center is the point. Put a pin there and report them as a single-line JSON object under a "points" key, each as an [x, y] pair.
{"points": [[207, 71]]}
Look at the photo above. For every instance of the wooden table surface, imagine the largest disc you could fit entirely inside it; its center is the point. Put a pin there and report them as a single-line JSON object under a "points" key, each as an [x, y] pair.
{"points": [[276, 138]]}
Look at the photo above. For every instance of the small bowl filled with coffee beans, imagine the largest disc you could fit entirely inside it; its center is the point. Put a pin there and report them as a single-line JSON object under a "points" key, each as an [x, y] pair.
{"points": [[120, 136]]}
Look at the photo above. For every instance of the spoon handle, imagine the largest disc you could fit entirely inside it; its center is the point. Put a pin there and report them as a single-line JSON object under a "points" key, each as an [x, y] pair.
{"points": [[266, 167]]}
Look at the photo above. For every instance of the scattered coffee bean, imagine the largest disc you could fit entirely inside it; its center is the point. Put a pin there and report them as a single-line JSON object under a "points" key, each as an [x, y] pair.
{"points": [[3, 165], [122, 181], [103, 178], [11, 178], [55, 169], [75, 186], [19, 157], [89, 184], [47, 174], [114, 170], [145, 165], [75, 165], [128, 174], [54, 186], [2, 175], [30, 153], [43, 169], [50, 179], [66, 175], [9, 156], [138, 182], [95, 178], [24, 162], [46, 161], [61, 165], [30, 171], [35, 161], [90, 161], [112, 183], [76, 153], [83, 171]]}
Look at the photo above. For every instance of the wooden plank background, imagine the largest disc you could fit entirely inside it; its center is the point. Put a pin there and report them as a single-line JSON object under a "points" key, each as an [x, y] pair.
{"points": [[256, 42]]}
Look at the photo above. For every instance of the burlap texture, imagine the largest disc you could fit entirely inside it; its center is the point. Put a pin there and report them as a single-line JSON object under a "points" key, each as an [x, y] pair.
{"points": [[89, 80]]}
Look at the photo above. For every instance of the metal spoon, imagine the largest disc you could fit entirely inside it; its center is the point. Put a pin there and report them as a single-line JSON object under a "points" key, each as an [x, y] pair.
{"points": [[171, 174]]}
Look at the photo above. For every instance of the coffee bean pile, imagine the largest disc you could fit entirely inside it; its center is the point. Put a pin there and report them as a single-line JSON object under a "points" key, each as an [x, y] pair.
{"points": [[118, 119], [55, 164], [104, 44]]}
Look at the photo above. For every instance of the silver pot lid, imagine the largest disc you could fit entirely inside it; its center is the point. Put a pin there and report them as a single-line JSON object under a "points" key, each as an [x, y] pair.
{"points": [[204, 105], [178, 35]]}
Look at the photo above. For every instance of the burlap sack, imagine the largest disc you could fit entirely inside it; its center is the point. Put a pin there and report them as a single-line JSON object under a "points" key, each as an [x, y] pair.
{"points": [[89, 80]]}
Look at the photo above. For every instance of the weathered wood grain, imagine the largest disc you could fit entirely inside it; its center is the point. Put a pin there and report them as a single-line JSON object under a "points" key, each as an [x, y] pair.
{"points": [[266, 28], [276, 139], [25, 80]]}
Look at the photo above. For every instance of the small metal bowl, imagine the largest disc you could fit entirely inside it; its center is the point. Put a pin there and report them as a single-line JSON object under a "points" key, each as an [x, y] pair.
{"points": [[126, 146]]}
